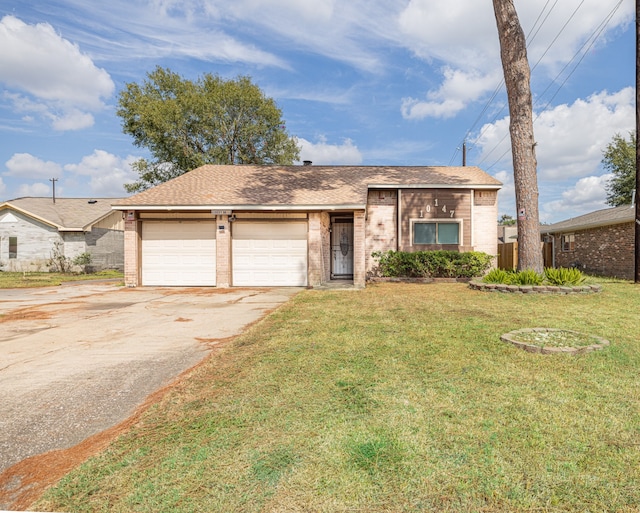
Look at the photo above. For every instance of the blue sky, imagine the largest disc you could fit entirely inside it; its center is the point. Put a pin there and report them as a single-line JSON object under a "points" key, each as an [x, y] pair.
{"points": [[371, 82]]}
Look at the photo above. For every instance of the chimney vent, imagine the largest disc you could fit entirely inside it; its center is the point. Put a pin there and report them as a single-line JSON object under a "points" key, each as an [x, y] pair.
{"points": [[307, 162]]}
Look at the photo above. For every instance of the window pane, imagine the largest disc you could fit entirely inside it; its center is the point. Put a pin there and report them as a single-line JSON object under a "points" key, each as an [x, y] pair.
{"points": [[424, 233], [13, 247], [448, 233]]}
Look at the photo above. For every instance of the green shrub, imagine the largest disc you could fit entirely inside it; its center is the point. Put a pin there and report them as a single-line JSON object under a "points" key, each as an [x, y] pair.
{"points": [[528, 277], [431, 264], [563, 276], [499, 276]]}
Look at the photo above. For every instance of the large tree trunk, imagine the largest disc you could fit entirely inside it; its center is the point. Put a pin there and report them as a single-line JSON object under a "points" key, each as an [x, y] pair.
{"points": [[513, 50]]}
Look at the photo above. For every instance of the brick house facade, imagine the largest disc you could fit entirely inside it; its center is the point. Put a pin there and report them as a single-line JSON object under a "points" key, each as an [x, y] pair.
{"points": [[599, 243], [301, 225]]}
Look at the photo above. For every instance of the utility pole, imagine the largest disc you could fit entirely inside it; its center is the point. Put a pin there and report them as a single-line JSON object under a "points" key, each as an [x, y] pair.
{"points": [[637, 194], [464, 148], [54, 180]]}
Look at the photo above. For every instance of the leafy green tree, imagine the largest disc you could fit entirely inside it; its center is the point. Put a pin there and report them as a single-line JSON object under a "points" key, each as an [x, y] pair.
{"points": [[506, 220], [185, 124], [619, 159]]}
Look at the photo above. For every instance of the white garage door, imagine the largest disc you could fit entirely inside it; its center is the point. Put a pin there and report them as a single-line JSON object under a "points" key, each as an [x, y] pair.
{"points": [[179, 253], [269, 253]]}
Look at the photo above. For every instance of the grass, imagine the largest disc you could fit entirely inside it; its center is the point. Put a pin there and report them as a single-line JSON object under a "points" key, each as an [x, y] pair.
{"points": [[395, 398], [9, 280]]}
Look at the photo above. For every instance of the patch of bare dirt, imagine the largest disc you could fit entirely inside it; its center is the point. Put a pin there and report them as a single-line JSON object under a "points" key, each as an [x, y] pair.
{"points": [[25, 482], [38, 312]]}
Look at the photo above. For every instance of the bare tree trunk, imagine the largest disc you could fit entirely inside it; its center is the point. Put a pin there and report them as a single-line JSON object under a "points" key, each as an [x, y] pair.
{"points": [[513, 50]]}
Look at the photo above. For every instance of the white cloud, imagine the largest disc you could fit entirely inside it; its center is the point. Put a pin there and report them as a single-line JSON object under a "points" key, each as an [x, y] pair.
{"points": [[107, 174], [51, 75], [322, 153], [570, 137], [463, 34], [25, 165], [37, 189], [458, 89], [507, 195], [586, 195], [3, 187], [570, 142]]}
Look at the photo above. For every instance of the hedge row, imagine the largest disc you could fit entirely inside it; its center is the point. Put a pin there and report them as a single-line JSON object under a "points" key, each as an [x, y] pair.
{"points": [[431, 264]]}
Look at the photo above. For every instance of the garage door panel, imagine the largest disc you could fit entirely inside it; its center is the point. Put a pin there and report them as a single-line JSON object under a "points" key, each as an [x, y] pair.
{"points": [[179, 253], [270, 254]]}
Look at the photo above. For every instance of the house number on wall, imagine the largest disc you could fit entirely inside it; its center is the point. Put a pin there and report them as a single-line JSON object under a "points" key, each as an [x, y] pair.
{"points": [[440, 209]]}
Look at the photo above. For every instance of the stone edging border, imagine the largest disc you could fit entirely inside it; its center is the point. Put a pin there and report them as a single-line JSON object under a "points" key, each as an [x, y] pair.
{"points": [[532, 348], [534, 289], [380, 279]]}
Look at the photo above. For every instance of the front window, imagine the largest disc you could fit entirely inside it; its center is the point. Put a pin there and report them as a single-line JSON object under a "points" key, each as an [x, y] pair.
{"points": [[13, 247], [568, 242], [436, 233]]}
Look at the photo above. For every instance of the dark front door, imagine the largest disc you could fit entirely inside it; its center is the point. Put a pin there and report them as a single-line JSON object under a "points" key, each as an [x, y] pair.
{"points": [[342, 248]]}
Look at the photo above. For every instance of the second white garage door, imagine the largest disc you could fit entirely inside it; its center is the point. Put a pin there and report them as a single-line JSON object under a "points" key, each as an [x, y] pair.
{"points": [[179, 253], [269, 254]]}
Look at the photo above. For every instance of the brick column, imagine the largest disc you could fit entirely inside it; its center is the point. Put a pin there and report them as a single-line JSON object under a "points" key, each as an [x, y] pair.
{"points": [[132, 260], [359, 249], [314, 246], [223, 252]]}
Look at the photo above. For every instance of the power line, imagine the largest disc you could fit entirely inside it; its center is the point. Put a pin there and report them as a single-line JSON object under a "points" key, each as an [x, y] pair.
{"points": [[582, 53], [501, 83]]}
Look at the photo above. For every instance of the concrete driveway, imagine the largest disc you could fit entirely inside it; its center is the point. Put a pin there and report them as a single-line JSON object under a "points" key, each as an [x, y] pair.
{"points": [[76, 360]]}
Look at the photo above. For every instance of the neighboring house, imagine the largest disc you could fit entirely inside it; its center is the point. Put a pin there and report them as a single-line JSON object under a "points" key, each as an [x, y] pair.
{"points": [[301, 225], [600, 243], [33, 229]]}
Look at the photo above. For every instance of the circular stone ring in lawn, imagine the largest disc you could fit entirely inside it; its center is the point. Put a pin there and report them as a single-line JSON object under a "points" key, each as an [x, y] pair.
{"points": [[554, 341]]}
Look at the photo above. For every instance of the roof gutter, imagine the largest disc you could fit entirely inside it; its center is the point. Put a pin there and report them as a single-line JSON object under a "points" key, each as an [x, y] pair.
{"points": [[204, 208], [492, 187]]}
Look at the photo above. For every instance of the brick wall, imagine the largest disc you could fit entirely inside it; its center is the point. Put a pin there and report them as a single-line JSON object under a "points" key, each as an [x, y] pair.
{"points": [[359, 248], [223, 252], [131, 252], [605, 251], [484, 223], [315, 247], [381, 224]]}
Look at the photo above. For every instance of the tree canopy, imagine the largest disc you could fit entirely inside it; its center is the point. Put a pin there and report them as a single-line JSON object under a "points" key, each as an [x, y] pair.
{"points": [[619, 159], [185, 124]]}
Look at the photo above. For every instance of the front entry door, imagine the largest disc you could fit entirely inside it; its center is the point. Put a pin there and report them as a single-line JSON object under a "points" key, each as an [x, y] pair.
{"points": [[342, 248]]}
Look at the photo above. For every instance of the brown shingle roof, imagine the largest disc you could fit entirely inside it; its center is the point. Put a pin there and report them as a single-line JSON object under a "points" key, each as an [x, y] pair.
{"points": [[66, 214], [604, 217], [235, 186]]}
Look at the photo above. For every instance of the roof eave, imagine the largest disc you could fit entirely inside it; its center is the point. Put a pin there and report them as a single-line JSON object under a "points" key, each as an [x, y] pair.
{"points": [[586, 226], [435, 186], [32, 215], [202, 208]]}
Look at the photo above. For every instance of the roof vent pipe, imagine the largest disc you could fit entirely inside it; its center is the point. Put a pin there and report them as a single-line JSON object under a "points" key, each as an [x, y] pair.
{"points": [[307, 162]]}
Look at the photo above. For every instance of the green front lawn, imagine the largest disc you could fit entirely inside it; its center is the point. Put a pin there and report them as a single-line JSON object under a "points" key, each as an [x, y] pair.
{"points": [[395, 398], [21, 280]]}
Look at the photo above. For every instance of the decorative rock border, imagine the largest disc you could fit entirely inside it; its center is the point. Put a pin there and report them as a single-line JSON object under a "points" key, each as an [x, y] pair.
{"points": [[380, 279], [511, 338], [534, 289]]}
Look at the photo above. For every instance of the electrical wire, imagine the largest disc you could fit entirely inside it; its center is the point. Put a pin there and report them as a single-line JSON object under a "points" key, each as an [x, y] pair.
{"points": [[530, 38], [581, 53]]}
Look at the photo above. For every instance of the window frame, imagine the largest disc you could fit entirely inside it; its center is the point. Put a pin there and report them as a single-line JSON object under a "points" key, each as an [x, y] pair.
{"points": [[13, 245], [567, 242], [436, 222]]}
